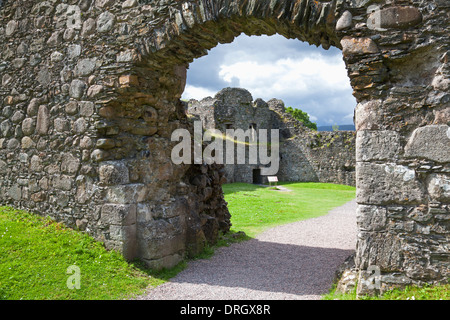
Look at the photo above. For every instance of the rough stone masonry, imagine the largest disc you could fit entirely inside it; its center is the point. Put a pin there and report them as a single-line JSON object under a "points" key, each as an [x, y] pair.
{"points": [[90, 93]]}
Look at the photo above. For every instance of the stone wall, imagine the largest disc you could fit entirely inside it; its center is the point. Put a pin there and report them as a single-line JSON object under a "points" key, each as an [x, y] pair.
{"points": [[90, 95], [305, 155]]}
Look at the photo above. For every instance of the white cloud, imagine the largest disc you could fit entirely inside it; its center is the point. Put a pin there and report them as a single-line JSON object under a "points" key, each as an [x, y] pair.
{"points": [[193, 92], [287, 77]]}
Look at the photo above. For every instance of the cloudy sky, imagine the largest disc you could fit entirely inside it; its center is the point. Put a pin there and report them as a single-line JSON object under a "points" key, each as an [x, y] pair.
{"points": [[303, 76]]}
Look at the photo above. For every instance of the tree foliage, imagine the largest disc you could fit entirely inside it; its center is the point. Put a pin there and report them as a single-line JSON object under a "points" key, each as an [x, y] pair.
{"points": [[302, 117]]}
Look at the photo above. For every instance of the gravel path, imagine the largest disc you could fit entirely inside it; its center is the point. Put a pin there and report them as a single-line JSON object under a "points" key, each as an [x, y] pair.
{"points": [[296, 261]]}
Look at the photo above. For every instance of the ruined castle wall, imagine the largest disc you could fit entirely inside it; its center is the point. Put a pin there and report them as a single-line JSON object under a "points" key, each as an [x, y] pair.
{"points": [[305, 155]]}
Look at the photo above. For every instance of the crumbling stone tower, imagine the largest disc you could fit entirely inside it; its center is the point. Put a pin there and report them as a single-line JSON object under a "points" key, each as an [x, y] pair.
{"points": [[90, 94]]}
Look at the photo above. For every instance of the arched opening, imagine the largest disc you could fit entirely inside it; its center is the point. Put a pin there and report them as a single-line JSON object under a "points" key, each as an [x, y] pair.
{"points": [[163, 75], [296, 74]]}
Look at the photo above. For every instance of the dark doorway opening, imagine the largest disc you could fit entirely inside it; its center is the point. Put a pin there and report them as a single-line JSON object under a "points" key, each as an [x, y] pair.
{"points": [[257, 177]]}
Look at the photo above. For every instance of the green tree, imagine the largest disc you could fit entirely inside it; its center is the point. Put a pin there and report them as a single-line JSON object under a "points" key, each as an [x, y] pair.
{"points": [[302, 117]]}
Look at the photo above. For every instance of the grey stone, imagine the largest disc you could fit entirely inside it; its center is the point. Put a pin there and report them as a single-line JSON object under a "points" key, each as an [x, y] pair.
{"points": [[103, 3], [382, 184], [77, 89], [127, 194], [85, 67], [43, 120], [69, 164], [86, 108], [36, 164], [119, 214], [15, 192], [17, 117], [73, 51], [61, 125], [345, 21], [129, 4], [371, 218], [72, 108], [394, 17], [94, 90], [88, 28], [56, 56], [105, 22], [73, 17], [430, 142], [11, 28], [55, 39], [439, 187], [44, 76], [113, 173], [79, 126], [377, 145], [33, 107], [62, 182], [86, 142]]}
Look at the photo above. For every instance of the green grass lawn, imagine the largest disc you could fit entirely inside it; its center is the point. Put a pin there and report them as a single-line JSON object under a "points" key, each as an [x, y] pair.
{"points": [[427, 292], [254, 209], [36, 252]]}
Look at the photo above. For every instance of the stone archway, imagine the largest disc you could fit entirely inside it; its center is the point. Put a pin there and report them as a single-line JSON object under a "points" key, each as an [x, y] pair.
{"points": [[90, 97]]}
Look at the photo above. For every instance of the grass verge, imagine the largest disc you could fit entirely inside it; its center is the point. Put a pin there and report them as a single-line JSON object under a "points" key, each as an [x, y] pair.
{"points": [[427, 292], [36, 252]]}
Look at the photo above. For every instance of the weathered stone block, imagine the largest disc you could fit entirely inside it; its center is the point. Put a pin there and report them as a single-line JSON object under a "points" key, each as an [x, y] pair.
{"points": [[394, 17], [62, 182], [15, 192], [36, 163], [381, 184], [129, 193], [381, 249], [354, 46], [367, 115], [69, 163], [439, 187], [371, 218], [377, 145], [105, 22], [113, 173], [118, 214], [60, 125], [430, 142]]}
